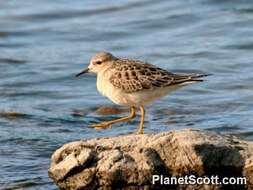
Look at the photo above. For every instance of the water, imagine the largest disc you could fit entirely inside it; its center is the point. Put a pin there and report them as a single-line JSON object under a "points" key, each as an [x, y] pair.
{"points": [[44, 43]]}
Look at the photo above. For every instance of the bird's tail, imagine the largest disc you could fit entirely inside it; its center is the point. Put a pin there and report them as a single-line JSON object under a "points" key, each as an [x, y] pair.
{"points": [[198, 78], [183, 80]]}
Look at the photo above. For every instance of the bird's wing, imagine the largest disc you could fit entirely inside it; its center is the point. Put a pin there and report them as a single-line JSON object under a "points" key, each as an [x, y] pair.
{"points": [[133, 76]]}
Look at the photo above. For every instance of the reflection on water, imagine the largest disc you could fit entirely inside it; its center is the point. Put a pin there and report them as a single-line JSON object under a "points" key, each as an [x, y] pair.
{"points": [[44, 44]]}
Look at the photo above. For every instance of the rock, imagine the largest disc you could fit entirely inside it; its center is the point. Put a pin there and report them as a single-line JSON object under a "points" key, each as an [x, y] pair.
{"points": [[128, 162]]}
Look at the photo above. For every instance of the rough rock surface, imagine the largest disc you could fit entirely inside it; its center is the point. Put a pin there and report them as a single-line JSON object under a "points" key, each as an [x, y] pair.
{"points": [[128, 162]]}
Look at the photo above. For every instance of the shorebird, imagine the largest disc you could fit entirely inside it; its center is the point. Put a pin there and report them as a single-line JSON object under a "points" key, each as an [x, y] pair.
{"points": [[133, 83]]}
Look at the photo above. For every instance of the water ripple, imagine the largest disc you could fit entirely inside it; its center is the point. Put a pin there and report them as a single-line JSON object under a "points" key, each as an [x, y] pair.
{"points": [[44, 44]]}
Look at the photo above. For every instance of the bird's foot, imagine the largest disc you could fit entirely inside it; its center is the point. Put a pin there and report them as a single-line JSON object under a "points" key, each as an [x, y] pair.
{"points": [[102, 125], [140, 132]]}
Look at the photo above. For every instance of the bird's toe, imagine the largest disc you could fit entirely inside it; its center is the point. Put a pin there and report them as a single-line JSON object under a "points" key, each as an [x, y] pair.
{"points": [[100, 125]]}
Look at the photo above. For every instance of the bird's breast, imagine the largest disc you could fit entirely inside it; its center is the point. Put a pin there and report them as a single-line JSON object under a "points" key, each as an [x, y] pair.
{"points": [[106, 88], [102, 84]]}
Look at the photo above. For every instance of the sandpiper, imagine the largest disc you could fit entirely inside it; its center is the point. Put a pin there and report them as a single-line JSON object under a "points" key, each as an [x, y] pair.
{"points": [[133, 83]]}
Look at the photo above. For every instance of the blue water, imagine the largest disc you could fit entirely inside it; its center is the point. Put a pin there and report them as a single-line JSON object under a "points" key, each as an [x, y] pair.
{"points": [[43, 44]]}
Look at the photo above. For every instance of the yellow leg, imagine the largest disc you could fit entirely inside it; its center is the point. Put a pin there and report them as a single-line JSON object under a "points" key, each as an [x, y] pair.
{"points": [[141, 127], [107, 124]]}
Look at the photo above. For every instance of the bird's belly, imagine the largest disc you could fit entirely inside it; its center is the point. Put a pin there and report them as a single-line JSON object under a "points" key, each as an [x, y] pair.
{"points": [[114, 95], [130, 99], [145, 97], [107, 89], [148, 96]]}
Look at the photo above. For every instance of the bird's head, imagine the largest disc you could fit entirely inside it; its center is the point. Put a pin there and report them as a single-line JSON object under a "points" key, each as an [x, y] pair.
{"points": [[99, 62]]}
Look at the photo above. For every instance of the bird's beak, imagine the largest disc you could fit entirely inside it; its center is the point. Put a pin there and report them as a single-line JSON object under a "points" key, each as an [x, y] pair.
{"points": [[86, 70]]}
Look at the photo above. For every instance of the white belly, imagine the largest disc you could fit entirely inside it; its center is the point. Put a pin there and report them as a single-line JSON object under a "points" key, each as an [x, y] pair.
{"points": [[130, 99], [107, 89]]}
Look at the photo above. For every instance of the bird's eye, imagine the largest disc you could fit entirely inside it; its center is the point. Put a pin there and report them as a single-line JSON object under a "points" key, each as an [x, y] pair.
{"points": [[98, 62]]}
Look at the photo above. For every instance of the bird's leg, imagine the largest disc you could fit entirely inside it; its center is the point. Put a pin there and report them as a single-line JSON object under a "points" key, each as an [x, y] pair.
{"points": [[107, 124], [141, 127]]}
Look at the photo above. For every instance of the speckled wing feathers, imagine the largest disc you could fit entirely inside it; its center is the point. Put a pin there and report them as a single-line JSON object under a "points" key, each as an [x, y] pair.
{"points": [[132, 76]]}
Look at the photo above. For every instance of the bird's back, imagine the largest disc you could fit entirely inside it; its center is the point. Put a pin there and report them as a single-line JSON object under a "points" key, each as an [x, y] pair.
{"points": [[133, 76]]}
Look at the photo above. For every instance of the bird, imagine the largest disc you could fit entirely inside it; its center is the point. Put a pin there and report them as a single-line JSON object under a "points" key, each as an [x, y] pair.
{"points": [[133, 83]]}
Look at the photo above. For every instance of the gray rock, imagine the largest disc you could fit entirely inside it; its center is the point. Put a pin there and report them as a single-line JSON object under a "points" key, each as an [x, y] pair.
{"points": [[128, 162]]}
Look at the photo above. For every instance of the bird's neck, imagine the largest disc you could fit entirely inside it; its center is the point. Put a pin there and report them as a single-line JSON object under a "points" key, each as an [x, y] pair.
{"points": [[103, 72]]}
